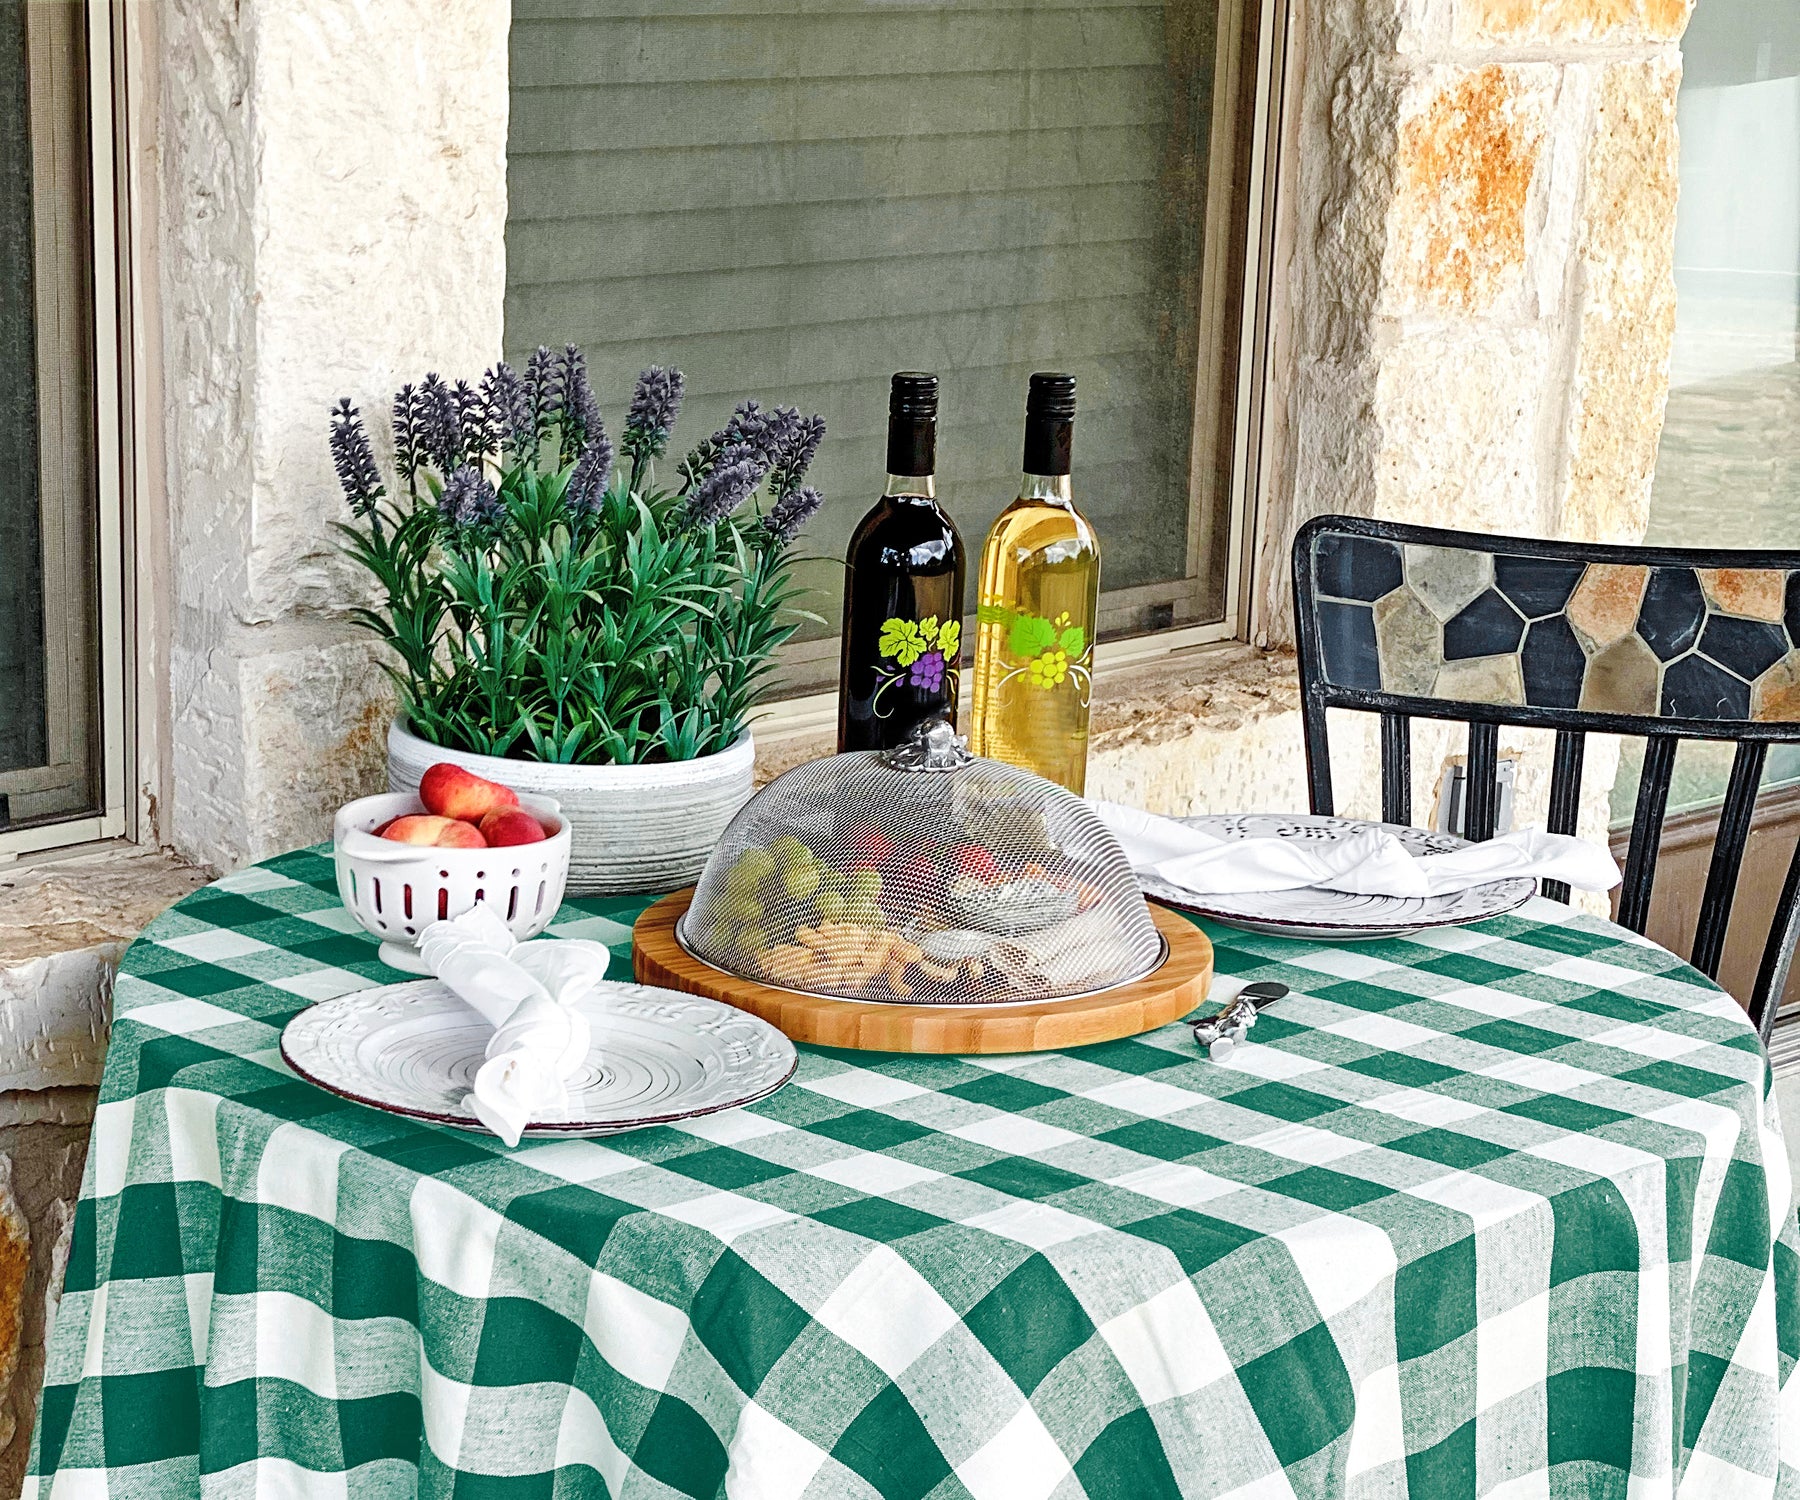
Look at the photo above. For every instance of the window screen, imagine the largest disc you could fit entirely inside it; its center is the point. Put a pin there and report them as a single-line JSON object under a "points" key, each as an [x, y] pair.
{"points": [[794, 204], [49, 715]]}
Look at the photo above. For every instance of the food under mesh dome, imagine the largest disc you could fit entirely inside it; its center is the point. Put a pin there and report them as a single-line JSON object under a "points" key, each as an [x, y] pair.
{"points": [[922, 875]]}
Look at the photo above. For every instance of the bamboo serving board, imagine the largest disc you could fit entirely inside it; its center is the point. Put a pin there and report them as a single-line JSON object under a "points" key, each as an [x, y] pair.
{"points": [[1050, 1025]]}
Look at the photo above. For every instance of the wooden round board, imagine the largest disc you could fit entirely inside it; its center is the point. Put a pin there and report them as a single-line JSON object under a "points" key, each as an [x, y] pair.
{"points": [[1166, 995]]}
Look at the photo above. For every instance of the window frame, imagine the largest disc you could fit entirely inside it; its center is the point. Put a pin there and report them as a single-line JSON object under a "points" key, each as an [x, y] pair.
{"points": [[812, 713], [112, 637]]}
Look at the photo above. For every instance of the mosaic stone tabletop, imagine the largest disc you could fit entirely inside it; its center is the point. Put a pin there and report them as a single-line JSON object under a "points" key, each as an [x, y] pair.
{"points": [[1474, 626]]}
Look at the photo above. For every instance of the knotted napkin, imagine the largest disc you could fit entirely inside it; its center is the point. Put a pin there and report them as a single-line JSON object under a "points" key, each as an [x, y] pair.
{"points": [[1371, 862], [527, 993]]}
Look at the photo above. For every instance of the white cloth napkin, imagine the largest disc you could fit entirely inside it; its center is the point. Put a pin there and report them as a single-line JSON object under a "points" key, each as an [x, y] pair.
{"points": [[527, 993], [1369, 863]]}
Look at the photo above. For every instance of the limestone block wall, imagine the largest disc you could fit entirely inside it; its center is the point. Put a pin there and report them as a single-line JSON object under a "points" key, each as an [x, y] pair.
{"points": [[1476, 298], [333, 205], [1479, 295]]}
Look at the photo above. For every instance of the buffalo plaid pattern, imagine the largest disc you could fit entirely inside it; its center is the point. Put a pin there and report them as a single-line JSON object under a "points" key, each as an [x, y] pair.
{"points": [[1497, 1211]]}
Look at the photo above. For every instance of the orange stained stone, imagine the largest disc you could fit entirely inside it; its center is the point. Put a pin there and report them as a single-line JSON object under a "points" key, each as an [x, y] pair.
{"points": [[1573, 20], [15, 1266], [1667, 17], [1604, 606], [1776, 696], [1756, 593], [1466, 163]]}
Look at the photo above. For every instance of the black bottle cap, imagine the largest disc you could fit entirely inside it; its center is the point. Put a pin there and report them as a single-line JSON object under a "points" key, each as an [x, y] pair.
{"points": [[912, 423], [1049, 422], [1051, 394], [914, 393]]}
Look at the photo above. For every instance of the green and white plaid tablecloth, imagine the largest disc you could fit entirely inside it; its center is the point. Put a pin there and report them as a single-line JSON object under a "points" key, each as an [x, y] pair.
{"points": [[1499, 1211]]}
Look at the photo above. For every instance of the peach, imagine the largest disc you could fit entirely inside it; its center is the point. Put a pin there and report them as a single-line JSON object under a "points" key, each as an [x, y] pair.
{"points": [[434, 832], [451, 792], [511, 825]]}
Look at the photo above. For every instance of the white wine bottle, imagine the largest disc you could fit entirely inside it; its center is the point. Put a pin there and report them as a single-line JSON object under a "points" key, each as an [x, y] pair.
{"points": [[1035, 617]]}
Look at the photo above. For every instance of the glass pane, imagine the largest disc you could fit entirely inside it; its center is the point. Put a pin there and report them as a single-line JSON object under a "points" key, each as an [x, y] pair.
{"points": [[23, 730], [49, 714], [1728, 470], [793, 206]]}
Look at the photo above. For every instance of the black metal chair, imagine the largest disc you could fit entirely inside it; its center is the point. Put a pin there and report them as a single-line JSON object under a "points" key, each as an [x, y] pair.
{"points": [[1671, 644]]}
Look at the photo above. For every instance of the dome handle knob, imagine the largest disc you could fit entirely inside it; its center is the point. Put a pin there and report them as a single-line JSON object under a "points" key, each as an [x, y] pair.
{"points": [[933, 745]]}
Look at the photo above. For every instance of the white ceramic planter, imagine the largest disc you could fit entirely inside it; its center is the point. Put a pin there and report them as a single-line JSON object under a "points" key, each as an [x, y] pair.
{"points": [[635, 828]]}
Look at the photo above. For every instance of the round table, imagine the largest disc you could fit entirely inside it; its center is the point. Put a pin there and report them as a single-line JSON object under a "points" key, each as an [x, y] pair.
{"points": [[1498, 1211]]}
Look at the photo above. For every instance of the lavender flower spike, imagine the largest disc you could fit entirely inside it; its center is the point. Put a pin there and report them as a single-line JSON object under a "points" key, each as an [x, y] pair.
{"points": [[651, 416], [587, 484], [752, 435], [409, 439], [798, 447], [543, 391], [762, 434], [468, 499], [722, 491], [354, 459], [509, 409], [440, 425], [580, 415], [474, 424], [790, 513]]}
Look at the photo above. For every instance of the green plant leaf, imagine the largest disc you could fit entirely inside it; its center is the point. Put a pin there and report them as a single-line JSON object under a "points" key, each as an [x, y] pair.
{"points": [[618, 636], [1073, 640]]}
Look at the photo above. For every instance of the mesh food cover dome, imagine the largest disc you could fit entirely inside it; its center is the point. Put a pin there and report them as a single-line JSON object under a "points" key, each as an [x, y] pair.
{"points": [[921, 875]]}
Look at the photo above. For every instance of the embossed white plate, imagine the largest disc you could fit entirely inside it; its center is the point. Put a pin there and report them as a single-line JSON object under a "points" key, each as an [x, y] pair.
{"points": [[1337, 915], [412, 1049]]}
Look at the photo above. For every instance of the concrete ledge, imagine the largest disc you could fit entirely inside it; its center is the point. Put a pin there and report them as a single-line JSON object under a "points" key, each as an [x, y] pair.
{"points": [[64, 922]]}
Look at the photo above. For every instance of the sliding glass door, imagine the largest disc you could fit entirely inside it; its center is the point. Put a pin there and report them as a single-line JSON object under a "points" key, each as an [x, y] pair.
{"points": [[1728, 471]]}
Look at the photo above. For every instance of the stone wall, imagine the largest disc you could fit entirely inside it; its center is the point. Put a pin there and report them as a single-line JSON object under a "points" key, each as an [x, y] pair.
{"points": [[1479, 292], [63, 925], [333, 184], [1475, 300]]}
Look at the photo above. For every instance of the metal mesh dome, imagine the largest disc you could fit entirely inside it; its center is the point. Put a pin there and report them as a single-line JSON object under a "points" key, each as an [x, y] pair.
{"points": [[924, 876]]}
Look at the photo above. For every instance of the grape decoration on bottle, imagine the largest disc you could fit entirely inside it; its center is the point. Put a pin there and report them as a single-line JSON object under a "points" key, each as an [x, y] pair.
{"points": [[903, 589], [1040, 586]]}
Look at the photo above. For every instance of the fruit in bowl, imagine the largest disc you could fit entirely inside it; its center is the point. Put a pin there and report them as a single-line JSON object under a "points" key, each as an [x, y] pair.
{"points": [[464, 811], [511, 825], [402, 864], [452, 792], [439, 833]]}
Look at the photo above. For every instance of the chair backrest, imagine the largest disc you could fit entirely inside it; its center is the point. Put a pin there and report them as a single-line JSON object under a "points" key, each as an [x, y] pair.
{"points": [[1672, 644]]}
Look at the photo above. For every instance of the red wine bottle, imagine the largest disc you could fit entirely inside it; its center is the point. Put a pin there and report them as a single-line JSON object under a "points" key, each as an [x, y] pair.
{"points": [[903, 589]]}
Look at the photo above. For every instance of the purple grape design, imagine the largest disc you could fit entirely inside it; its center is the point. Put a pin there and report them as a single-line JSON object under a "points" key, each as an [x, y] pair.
{"points": [[928, 671]]}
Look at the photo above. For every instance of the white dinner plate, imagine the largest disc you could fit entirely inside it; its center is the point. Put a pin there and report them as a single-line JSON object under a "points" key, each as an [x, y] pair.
{"points": [[413, 1049], [1338, 916]]}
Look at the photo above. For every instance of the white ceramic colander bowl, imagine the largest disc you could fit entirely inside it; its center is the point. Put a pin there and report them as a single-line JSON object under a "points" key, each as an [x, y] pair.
{"points": [[396, 890]]}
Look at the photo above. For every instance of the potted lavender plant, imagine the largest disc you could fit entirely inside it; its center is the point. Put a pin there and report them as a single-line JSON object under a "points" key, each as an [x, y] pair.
{"points": [[564, 624]]}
